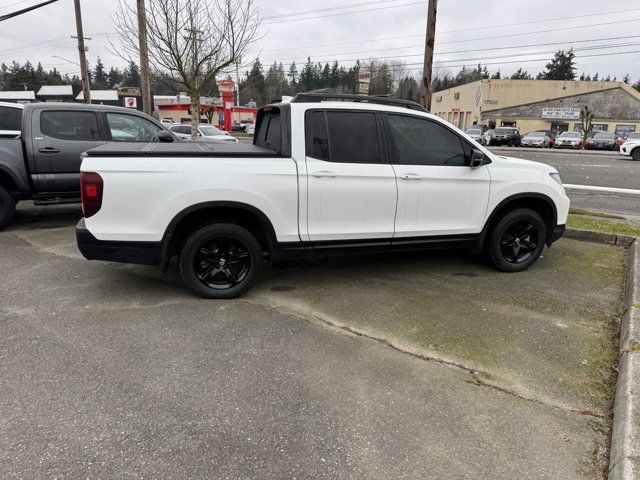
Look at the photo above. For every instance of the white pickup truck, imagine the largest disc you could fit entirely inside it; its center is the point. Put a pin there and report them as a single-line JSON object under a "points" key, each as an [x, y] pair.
{"points": [[327, 174]]}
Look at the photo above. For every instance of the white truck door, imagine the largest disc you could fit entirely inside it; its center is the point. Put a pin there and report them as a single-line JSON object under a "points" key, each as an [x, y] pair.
{"points": [[438, 193], [351, 187]]}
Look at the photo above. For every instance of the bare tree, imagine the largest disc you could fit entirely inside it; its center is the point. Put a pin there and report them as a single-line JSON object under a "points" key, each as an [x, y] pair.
{"points": [[190, 41], [586, 119]]}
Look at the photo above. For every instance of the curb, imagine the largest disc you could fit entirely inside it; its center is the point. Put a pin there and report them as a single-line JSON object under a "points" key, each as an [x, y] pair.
{"points": [[624, 463], [599, 237]]}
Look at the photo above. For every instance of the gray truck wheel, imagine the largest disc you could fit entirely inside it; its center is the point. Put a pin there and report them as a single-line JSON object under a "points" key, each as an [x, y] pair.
{"points": [[7, 207]]}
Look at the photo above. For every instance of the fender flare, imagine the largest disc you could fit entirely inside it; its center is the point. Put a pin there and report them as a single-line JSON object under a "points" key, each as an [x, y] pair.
{"points": [[173, 224], [518, 196]]}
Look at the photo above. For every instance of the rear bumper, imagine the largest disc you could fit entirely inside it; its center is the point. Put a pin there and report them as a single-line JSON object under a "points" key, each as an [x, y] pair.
{"points": [[144, 253], [557, 233]]}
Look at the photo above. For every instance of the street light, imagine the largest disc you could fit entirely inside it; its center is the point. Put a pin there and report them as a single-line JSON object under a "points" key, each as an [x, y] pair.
{"points": [[66, 60]]}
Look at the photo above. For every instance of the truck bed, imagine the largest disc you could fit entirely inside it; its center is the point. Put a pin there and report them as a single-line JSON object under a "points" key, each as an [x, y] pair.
{"points": [[180, 149]]}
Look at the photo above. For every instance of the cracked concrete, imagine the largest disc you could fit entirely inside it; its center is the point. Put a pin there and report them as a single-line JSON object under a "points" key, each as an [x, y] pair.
{"points": [[117, 371]]}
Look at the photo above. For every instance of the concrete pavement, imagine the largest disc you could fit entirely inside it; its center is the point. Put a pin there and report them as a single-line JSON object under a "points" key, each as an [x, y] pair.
{"points": [[412, 366]]}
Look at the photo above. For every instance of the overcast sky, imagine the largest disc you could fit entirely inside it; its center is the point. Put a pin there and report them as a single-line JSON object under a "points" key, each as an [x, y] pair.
{"points": [[379, 28]]}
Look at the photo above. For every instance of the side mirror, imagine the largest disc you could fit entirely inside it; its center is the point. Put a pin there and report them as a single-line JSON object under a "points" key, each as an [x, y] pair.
{"points": [[478, 158], [165, 136]]}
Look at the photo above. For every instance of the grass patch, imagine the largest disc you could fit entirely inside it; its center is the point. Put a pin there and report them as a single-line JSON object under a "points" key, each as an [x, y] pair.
{"points": [[597, 224], [577, 211]]}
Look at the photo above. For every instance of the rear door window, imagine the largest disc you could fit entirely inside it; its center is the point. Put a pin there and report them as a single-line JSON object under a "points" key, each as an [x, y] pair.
{"points": [[10, 118], [343, 136], [70, 125], [131, 128]]}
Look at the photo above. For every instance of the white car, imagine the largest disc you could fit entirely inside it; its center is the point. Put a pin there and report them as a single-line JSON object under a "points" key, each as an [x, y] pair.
{"points": [[535, 139], [477, 134], [631, 146], [167, 122], [250, 129], [568, 140], [10, 119], [205, 132], [327, 174]]}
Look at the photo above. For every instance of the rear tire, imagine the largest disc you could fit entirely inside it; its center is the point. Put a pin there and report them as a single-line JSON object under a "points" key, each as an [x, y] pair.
{"points": [[7, 207], [517, 240], [221, 260]]}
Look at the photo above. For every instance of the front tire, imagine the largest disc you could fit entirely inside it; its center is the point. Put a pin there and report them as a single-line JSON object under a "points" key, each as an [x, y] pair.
{"points": [[7, 207], [635, 154], [221, 260], [517, 240]]}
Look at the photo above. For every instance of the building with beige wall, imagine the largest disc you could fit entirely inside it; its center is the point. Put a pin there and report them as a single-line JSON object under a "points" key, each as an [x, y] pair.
{"points": [[539, 104]]}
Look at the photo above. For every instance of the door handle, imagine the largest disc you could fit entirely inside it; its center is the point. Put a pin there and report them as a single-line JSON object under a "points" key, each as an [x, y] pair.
{"points": [[324, 174], [411, 176], [49, 150]]}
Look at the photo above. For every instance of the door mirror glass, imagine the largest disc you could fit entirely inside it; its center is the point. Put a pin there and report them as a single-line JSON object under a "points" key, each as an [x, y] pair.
{"points": [[165, 136], [478, 158]]}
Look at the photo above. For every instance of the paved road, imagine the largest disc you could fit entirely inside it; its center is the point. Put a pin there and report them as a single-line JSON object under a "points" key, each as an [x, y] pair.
{"points": [[602, 170], [113, 371]]}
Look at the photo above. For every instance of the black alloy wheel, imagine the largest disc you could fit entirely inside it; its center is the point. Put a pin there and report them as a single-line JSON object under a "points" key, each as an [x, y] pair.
{"points": [[517, 240], [222, 263], [221, 260], [635, 154]]}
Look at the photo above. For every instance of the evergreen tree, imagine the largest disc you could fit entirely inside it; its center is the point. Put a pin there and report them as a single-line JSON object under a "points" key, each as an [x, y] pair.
{"points": [[100, 79], [561, 67], [131, 76]]}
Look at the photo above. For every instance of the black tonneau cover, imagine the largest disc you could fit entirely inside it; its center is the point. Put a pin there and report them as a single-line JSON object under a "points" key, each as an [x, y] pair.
{"points": [[179, 149]]}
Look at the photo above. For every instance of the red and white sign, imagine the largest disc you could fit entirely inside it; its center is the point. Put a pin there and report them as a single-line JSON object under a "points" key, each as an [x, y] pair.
{"points": [[131, 102]]}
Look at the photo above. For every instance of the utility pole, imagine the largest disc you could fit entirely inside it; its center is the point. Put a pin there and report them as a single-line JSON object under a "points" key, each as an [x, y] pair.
{"points": [[145, 83], [428, 54], [84, 70], [238, 82]]}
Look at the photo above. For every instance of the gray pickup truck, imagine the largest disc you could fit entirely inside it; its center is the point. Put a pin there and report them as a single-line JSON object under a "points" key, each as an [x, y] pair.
{"points": [[42, 162]]}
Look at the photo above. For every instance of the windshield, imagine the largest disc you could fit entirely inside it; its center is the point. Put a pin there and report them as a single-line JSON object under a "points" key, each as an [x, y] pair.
{"points": [[633, 136], [474, 131], [210, 131], [604, 136], [502, 131], [535, 134], [570, 135]]}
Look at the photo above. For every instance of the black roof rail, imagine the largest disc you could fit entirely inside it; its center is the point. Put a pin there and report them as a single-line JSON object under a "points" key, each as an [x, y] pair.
{"points": [[326, 94]]}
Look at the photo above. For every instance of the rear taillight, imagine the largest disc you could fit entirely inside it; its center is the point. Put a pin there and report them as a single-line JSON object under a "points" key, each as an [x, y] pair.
{"points": [[91, 193]]}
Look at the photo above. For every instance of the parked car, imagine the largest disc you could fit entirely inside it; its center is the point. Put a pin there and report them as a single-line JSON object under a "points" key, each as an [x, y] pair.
{"points": [[506, 136], [631, 148], [251, 129], [535, 139], [476, 133], [327, 175], [601, 141], [568, 140], [10, 119], [205, 132], [167, 122], [488, 136], [43, 163]]}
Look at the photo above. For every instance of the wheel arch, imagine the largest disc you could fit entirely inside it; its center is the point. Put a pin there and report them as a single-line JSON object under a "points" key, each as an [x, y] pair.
{"points": [[539, 202], [195, 216]]}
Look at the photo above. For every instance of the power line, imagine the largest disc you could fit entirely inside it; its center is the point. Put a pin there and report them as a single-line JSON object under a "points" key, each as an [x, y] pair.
{"points": [[344, 13], [461, 51], [541, 21], [14, 3], [530, 60], [337, 7], [7, 16]]}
